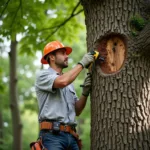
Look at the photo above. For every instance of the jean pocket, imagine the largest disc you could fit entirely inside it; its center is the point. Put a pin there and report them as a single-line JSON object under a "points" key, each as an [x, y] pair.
{"points": [[43, 133]]}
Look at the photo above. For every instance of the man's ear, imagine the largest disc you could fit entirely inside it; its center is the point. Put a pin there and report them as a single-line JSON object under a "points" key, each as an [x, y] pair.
{"points": [[52, 57]]}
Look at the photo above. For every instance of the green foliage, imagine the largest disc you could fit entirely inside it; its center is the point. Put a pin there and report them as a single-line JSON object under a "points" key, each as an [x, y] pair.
{"points": [[30, 128], [4, 79], [84, 126], [36, 23], [7, 131], [39, 22], [137, 24], [1, 82]]}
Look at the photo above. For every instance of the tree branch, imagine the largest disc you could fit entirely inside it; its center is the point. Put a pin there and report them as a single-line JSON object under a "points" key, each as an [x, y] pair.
{"points": [[56, 28], [6, 4], [62, 24], [20, 5]]}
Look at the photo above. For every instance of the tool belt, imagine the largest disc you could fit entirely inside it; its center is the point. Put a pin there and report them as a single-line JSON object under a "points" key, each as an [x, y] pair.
{"points": [[56, 127]]}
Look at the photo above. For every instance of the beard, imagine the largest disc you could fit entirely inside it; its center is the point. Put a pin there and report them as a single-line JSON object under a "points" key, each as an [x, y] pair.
{"points": [[61, 63]]}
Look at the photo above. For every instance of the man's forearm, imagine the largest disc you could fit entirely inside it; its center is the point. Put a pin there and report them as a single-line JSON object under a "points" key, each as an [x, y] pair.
{"points": [[67, 77], [71, 75], [80, 104]]}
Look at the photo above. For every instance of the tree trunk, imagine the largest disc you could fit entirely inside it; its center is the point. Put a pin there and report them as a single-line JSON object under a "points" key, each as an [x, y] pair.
{"points": [[120, 101], [16, 121]]}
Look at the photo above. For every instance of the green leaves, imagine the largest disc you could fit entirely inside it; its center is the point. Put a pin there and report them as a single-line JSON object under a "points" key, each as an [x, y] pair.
{"points": [[40, 22], [137, 24], [35, 23]]}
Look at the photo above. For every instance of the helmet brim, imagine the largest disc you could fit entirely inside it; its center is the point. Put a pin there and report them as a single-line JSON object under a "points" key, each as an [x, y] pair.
{"points": [[68, 51]]}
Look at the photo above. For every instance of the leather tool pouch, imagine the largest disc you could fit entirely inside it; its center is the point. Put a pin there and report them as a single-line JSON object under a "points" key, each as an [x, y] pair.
{"points": [[37, 145], [79, 142], [56, 127]]}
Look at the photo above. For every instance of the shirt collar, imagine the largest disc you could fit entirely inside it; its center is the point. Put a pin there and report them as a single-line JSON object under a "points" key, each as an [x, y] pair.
{"points": [[53, 71]]}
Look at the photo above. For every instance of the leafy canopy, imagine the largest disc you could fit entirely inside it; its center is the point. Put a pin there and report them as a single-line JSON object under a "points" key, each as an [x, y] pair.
{"points": [[36, 22]]}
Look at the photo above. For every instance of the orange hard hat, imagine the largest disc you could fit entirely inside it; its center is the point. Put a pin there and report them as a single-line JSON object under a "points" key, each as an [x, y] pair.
{"points": [[52, 46]]}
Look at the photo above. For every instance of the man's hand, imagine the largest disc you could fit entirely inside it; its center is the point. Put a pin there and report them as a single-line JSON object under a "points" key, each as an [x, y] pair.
{"points": [[87, 60], [87, 85]]}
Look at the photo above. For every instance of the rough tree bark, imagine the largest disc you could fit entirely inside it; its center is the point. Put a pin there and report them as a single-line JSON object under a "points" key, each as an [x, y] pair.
{"points": [[120, 102], [16, 121]]}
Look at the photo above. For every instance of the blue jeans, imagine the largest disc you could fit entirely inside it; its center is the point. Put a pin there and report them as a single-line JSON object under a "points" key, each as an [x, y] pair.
{"points": [[59, 141]]}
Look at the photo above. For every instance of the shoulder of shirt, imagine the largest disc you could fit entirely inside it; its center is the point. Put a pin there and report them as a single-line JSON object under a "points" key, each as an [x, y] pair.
{"points": [[42, 72], [45, 72], [71, 86]]}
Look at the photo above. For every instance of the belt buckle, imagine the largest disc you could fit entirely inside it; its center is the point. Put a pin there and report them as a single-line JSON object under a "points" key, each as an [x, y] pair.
{"points": [[56, 127]]}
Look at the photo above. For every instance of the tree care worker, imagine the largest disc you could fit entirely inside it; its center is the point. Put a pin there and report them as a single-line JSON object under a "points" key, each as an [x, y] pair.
{"points": [[57, 100]]}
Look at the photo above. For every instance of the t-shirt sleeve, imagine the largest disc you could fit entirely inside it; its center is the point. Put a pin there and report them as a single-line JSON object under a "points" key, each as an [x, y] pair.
{"points": [[45, 80]]}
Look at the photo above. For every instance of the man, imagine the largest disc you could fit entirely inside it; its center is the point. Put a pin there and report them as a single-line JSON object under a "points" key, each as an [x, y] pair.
{"points": [[57, 100]]}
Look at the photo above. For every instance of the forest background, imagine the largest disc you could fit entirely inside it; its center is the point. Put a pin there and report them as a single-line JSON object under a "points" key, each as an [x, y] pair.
{"points": [[30, 25]]}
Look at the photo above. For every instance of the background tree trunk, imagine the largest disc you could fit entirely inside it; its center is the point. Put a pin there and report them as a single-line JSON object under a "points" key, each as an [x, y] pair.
{"points": [[16, 121], [120, 103]]}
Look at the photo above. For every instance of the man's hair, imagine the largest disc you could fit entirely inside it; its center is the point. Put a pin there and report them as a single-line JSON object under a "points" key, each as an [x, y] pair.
{"points": [[47, 56]]}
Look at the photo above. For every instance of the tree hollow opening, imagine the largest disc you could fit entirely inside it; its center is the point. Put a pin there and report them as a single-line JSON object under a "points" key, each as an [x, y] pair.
{"points": [[113, 50]]}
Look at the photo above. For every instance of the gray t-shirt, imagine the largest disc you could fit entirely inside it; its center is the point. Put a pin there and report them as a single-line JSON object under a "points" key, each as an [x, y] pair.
{"points": [[54, 104]]}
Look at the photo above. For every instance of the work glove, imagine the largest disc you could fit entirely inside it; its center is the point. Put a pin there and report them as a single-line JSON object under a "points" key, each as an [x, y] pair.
{"points": [[87, 85], [87, 60]]}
